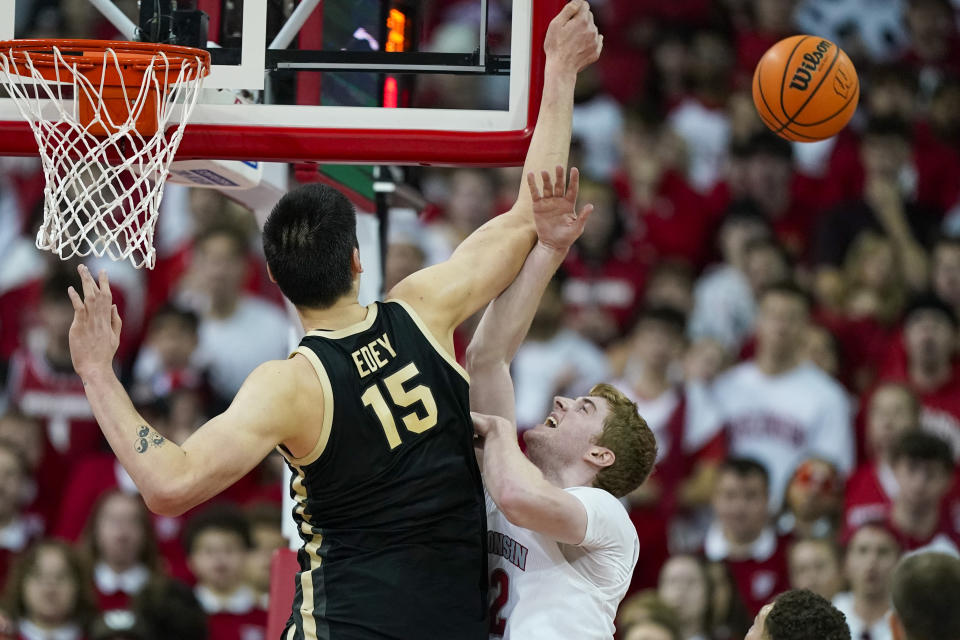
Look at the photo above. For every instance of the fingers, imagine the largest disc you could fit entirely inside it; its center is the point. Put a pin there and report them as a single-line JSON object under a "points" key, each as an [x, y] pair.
{"points": [[574, 186], [115, 322], [571, 9], [561, 180], [534, 189], [89, 286], [547, 185], [104, 282], [585, 212], [75, 300]]}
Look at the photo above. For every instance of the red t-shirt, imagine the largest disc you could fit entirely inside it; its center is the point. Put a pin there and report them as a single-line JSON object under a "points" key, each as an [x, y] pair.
{"points": [[867, 498], [615, 286], [758, 578]]}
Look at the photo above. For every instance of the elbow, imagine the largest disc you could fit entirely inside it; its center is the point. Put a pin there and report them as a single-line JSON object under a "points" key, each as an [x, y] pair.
{"points": [[482, 357], [517, 504], [170, 502]]}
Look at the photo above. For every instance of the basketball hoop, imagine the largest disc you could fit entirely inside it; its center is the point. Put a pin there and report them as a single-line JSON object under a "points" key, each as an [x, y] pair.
{"points": [[108, 118]]}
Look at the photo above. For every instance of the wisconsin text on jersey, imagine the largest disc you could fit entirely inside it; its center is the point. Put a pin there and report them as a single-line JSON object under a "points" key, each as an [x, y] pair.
{"points": [[501, 545]]}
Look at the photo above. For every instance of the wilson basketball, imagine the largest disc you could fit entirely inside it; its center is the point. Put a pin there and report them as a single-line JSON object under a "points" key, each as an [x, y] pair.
{"points": [[805, 88]]}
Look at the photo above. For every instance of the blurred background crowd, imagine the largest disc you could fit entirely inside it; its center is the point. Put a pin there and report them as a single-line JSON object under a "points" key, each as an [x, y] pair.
{"points": [[785, 316]]}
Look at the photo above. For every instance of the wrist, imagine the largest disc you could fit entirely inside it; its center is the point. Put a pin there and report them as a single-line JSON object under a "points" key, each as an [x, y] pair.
{"points": [[94, 374], [559, 71], [554, 251]]}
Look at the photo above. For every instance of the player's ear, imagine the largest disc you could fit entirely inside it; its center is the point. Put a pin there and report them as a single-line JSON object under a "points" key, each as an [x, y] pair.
{"points": [[600, 457], [270, 275], [355, 265]]}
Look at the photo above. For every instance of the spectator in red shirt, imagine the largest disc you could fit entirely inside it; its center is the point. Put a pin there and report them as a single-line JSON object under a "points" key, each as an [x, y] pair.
{"points": [[929, 368], [924, 470], [166, 361], [217, 542], [872, 554], [119, 541], [892, 410], [886, 207], [604, 279], [48, 594], [742, 536], [814, 565], [43, 485], [42, 382], [813, 500], [17, 530]]}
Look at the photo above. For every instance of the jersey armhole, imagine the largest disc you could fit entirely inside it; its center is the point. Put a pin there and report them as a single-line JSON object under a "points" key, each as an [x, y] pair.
{"points": [[325, 428], [422, 326]]}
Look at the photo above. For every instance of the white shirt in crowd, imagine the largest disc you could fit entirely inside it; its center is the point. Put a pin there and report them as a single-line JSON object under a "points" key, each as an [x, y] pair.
{"points": [[723, 307], [541, 589], [232, 347], [785, 419], [859, 630], [539, 366]]}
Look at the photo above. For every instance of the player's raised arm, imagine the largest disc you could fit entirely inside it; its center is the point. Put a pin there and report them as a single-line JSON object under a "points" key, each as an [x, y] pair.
{"points": [[486, 262], [507, 319], [174, 478]]}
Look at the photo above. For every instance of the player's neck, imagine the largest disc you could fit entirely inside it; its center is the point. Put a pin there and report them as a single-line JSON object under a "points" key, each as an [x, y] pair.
{"points": [[344, 312]]}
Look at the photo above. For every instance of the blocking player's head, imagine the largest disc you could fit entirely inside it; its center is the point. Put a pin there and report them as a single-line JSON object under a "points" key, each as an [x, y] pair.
{"points": [[872, 554], [923, 466], [893, 410], [924, 594], [740, 499], [217, 541], [310, 243], [601, 434], [782, 317], [799, 615], [814, 564]]}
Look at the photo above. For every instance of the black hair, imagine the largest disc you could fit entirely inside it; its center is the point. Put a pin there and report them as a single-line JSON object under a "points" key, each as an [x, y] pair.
{"points": [[187, 318], [308, 240], [744, 211], [219, 517], [169, 609], [930, 302], [893, 73], [923, 447], [674, 319], [800, 614], [745, 467], [924, 592], [787, 288]]}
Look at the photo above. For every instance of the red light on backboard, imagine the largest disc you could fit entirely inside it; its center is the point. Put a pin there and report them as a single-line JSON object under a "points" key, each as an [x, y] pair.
{"points": [[390, 93], [396, 31]]}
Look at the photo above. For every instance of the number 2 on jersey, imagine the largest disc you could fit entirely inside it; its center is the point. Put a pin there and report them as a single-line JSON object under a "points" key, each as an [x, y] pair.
{"points": [[499, 578], [401, 397]]}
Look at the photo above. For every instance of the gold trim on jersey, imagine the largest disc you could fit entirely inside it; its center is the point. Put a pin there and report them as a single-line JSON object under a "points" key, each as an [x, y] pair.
{"points": [[311, 546], [357, 327], [446, 355], [327, 425]]}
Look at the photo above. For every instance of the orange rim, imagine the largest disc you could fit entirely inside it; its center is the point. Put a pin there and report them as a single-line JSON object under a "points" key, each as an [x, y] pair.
{"points": [[87, 55]]}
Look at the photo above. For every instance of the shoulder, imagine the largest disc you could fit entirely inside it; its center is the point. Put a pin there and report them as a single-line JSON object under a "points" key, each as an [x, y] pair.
{"points": [[827, 388], [607, 520], [282, 379]]}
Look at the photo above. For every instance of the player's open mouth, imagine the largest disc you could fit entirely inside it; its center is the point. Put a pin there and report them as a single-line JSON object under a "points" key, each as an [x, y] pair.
{"points": [[550, 422]]}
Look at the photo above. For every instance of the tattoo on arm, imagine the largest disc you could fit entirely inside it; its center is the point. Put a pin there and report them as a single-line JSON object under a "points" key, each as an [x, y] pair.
{"points": [[147, 437]]}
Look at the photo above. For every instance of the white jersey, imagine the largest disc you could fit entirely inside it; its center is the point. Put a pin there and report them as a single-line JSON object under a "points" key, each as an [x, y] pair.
{"points": [[543, 589], [782, 420]]}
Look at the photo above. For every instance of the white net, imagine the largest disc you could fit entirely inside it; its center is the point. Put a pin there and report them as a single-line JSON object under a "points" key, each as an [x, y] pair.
{"points": [[104, 178]]}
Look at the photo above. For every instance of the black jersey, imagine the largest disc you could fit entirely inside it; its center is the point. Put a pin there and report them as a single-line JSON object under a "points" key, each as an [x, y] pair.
{"points": [[390, 503]]}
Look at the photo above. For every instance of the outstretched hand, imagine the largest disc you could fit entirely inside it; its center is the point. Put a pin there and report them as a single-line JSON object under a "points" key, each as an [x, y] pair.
{"points": [[572, 39], [95, 332], [555, 210]]}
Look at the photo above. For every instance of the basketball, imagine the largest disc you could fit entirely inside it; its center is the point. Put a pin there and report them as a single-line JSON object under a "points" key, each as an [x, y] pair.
{"points": [[805, 88]]}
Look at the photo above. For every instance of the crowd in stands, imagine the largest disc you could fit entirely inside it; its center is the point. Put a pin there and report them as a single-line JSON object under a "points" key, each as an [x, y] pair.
{"points": [[784, 315]]}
